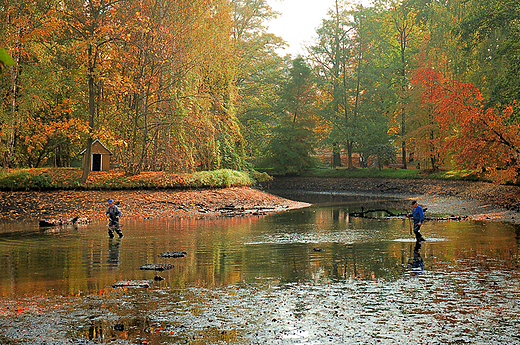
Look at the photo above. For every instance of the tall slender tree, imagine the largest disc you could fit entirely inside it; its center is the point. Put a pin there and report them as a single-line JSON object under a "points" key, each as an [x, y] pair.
{"points": [[402, 24], [293, 140], [260, 72], [332, 58]]}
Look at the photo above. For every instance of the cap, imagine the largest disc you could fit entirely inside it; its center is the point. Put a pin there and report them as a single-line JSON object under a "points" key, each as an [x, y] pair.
{"points": [[414, 202], [110, 201]]}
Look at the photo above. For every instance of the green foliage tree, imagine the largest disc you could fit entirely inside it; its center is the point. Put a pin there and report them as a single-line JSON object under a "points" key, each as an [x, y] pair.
{"points": [[260, 74], [404, 34], [5, 58], [331, 57], [351, 63], [490, 38], [382, 153], [293, 141]]}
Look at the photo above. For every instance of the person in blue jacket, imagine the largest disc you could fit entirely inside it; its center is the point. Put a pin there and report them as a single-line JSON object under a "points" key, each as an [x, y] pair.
{"points": [[113, 213], [418, 218]]}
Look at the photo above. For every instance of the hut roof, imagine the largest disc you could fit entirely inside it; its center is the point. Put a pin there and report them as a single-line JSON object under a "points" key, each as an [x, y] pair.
{"points": [[100, 143]]}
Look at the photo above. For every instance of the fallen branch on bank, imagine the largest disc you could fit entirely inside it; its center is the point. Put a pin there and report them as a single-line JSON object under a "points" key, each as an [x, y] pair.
{"points": [[390, 214], [58, 222], [363, 214]]}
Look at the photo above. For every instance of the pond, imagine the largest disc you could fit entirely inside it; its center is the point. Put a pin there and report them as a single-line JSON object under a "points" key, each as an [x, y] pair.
{"points": [[307, 276]]}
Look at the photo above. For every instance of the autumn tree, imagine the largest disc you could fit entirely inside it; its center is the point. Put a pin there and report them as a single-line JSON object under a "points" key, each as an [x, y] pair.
{"points": [[477, 138], [134, 86], [170, 90], [41, 125], [18, 23], [90, 25], [424, 125]]}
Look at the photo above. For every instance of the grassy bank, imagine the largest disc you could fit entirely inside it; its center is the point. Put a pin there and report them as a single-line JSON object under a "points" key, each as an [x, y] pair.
{"points": [[69, 178], [394, 173]]}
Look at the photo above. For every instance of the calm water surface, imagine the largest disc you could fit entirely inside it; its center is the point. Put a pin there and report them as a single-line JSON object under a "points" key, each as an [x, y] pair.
{"points": [[309, 276]]}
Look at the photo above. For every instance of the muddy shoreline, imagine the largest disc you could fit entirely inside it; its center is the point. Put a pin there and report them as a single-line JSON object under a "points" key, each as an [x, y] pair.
{"points": [[145, 204], [476, 200]]}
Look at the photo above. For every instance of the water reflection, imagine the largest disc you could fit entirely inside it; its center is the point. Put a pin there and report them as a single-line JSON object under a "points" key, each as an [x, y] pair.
{"points": [[113, 252], [315, 275], [233, 250], [416, 261]]}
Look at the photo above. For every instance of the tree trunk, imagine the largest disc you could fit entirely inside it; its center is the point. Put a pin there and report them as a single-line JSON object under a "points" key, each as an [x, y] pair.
{"points": [[336, 157], [11, 133], [432, 152], [159, 105], [92, 112], [350, 147], [403, 31], [15, 74], [403, 143]]}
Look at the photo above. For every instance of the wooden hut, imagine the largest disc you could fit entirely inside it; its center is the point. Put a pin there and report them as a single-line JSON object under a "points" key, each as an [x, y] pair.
{"points": [[100, 156]]}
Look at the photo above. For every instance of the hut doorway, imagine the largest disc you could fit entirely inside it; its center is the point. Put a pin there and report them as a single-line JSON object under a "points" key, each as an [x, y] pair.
{"points": [[96, 162]]}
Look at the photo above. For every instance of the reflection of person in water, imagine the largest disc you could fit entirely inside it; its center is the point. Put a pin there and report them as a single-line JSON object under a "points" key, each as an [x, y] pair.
{"points": [[417, 262], [113, 252]]}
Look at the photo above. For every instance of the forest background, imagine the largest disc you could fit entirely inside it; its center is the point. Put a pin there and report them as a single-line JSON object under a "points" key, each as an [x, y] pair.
{"points": [[192, 85]]}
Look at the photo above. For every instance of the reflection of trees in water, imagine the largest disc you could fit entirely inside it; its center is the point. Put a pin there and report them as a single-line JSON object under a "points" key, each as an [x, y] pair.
{"points": [[169, 330], [355, 201], [103, 328], [363, 261], [337, 261]]}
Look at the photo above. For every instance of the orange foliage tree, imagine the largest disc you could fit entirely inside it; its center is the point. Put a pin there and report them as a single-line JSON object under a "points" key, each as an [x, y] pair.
{"points": [[168, 91], [424, 127], [39, 102], [155, 79], [485, 140]]}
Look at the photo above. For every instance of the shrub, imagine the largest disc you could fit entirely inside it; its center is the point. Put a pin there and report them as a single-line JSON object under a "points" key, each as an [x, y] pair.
{"points": [[290, 151], [260, 177], [26, 180], [220, 178]]}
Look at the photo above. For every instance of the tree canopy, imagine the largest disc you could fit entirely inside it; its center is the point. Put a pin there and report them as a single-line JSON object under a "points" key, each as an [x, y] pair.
{"points": [[182, 86]]}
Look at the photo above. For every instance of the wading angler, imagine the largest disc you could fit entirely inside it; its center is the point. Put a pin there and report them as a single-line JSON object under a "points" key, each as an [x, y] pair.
{"points": [[113, 213], [418, 218]]}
